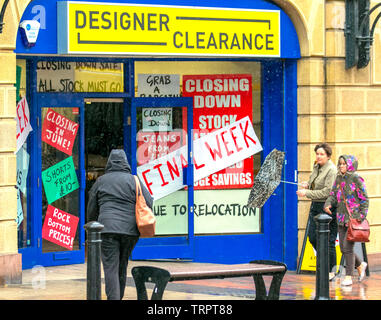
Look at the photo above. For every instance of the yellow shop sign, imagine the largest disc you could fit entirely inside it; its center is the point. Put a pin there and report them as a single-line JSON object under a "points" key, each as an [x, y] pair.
{"points": [[130, 29]]}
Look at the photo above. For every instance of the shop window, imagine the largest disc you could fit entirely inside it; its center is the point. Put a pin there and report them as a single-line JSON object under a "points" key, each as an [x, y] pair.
{"points": [[59, 165], [223, 92], [67, 77]]}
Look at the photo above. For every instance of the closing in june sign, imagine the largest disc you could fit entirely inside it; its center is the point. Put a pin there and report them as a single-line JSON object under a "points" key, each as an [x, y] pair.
{"points": [[59, 131], [86, 27]]}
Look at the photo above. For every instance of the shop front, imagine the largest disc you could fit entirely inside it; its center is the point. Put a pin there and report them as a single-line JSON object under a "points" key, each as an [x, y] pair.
{"points": [[197, 94]]}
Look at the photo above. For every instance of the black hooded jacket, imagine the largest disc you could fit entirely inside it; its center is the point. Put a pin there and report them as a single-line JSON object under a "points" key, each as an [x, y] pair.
{"points": [[112, 198]]}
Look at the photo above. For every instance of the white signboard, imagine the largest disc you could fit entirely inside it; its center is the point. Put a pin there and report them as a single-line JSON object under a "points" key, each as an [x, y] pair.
{"points": [[65, 76], [56, 76], [157, 119], [225, 211], [171, 214], [23, 123], [224, 147], [164, 175], [215, 212], [211, 153], [158, 85]]}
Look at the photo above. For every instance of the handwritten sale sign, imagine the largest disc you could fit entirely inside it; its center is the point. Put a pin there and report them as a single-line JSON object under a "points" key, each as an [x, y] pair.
{"points": [[59, 131], [23, 123], [224, 147], [158, 85], [59, 180], [157, 119], [60, 227], [213, 152], [219, 100], [154, 145]]}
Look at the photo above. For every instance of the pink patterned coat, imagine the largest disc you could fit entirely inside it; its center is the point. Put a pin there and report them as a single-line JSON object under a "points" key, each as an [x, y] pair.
{"points": [[349, 193]]}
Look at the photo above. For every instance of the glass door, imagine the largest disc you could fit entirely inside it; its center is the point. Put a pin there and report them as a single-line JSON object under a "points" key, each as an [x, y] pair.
{"points": [[104, 131], [61, 238], [161, 155]]}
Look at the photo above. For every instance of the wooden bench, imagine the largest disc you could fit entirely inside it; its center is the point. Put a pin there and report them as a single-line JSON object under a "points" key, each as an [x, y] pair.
{"points": [[258, 268]]}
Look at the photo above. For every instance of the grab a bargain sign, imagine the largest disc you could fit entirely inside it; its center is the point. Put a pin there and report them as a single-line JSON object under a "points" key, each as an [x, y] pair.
{"points": [[211, 153]]}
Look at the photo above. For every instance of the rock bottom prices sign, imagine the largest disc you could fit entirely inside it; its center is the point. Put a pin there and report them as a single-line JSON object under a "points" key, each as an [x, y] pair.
{"points": [[60, 227]]}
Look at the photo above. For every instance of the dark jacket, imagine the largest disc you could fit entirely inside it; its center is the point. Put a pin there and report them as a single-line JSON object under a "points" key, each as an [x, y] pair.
{"points": [[349, 193], [112, 198]]}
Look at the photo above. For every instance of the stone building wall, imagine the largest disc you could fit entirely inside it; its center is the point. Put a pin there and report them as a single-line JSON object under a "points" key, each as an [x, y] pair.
{"points": [[335, 105], [10, 260]]}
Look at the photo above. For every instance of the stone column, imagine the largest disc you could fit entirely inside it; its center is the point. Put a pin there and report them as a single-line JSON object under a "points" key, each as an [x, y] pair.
{"points": [[10, 259]]}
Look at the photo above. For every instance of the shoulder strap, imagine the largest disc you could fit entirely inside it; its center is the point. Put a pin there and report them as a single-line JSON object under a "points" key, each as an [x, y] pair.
{"points": [[138, 188], [345, 201]]}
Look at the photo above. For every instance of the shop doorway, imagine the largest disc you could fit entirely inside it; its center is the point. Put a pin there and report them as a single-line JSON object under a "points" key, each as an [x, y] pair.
{"points": [[163, 128], [57, 182], [75, 135], [104, 131]]}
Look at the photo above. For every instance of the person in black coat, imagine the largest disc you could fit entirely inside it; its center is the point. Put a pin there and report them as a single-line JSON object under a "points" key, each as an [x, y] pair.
{"points": [[112, 201]]}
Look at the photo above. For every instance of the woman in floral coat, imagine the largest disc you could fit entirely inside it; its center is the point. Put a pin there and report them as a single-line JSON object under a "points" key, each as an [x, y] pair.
{"points": [[348, 193]]}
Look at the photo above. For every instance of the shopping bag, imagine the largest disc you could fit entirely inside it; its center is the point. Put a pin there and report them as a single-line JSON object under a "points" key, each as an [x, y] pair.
{"points": [[145, 219]]}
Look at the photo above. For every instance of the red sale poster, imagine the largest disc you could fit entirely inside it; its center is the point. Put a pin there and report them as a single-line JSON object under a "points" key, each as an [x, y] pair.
{"points": [[59, 131], [220, 100], [59, 227]]}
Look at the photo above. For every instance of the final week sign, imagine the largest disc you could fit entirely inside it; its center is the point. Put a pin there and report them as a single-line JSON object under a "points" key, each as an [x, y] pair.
{"points": [[90, 27], [211, 153]]}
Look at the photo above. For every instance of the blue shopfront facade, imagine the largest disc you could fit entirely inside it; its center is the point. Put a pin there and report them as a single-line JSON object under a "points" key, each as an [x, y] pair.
{"points": [[82, 70]]}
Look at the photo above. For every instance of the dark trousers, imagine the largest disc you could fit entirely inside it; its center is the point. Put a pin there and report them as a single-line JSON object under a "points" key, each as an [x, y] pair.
{"points": [[317, 208], [352, 260], [116, 249]]}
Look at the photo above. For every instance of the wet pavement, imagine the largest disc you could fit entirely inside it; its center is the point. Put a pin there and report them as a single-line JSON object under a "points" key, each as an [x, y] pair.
{"points": [[69, 283]]}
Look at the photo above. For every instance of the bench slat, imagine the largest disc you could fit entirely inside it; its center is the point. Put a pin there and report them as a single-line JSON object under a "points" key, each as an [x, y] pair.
{"points": [[179, 272], [220, 271]]}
